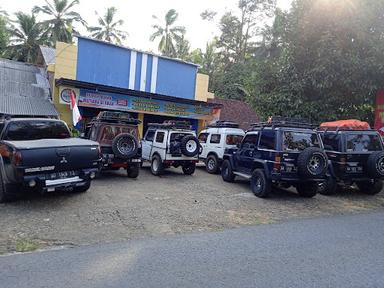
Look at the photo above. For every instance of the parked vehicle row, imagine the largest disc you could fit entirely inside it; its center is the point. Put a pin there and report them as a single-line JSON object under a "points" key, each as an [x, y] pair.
{"points": [[40, 155]]}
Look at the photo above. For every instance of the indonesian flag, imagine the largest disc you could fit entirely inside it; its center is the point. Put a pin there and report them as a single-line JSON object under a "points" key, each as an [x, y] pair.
{"points": [[76, 116]]}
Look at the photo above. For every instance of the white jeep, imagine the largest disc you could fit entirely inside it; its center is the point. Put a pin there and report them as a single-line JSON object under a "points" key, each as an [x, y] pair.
{"points": [[215, 139], [172, 143]]}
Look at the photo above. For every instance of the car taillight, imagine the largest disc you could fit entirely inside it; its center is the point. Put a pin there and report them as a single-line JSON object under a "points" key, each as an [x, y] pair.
{"points": [[277, 164], [16, 158]]}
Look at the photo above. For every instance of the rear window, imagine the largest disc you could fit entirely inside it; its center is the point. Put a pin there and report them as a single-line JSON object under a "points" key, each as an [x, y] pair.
{"points": [[298, 141], [363, 143], [109, 133], [234, 139], [34, 130], [178, 136]]}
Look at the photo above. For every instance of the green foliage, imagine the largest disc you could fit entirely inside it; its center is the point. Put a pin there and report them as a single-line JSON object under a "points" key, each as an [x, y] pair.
{"points": [[330, 62], [4, 34], [168, 34], [108, 28], [26, 37], [59, 26]]}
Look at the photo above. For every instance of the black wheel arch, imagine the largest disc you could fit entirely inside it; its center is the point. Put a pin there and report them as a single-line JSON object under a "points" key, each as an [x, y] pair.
{"points": [[261, 164]]}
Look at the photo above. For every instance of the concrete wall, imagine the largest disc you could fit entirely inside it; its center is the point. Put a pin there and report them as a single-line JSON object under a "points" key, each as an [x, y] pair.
{"points": [[202, 83]]}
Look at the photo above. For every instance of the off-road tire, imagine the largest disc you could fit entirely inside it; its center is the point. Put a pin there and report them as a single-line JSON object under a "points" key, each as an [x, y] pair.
{"points": [[212, 164], [82, 189], [133, 170], [226, 172], [329, 186], [375, 164], [189, 168], [370, 188], [187, 143], [305, 158], [157, 168], [307, 189], [260, 185], [125, 146]]}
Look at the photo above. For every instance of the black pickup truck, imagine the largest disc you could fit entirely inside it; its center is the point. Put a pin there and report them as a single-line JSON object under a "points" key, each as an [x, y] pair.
{"points": [[40, 155]]}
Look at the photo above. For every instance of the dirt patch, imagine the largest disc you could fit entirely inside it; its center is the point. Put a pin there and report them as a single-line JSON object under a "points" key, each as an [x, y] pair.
{"points": [[117, 208]]}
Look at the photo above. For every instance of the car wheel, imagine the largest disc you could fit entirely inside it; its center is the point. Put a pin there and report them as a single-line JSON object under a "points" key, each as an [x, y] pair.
{"points": [[370, 187], [312, 163], [307, 189], [157, 167], [328, 186], [133, 170], [4, 196], [82, 189], [375, 164], [212, 164], [226, 172], [189, 146], [260, 185], [189, 169], [125, 146]]}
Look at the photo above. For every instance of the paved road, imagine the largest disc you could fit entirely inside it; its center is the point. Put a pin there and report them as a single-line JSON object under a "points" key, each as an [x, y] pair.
{"points": [[343, 251]]}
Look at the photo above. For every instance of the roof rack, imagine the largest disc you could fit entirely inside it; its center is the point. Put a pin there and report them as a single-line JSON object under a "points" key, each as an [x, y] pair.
{"points": [[171, 124], [284, 122], [339, 128], [224, 124], [115, 117]]}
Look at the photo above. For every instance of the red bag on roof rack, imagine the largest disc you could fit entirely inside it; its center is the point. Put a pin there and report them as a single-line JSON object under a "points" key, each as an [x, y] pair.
{"points": [[351, 124]]}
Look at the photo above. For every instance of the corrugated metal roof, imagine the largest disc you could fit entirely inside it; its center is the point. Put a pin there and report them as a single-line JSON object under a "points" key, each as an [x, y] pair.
{"points": [[24, 90], [49, 54]]}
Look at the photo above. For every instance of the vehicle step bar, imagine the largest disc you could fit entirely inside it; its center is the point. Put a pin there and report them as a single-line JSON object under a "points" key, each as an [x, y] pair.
{"points": [[246, 176]]}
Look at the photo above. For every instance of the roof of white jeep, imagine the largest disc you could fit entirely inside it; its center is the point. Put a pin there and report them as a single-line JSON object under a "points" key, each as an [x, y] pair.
{"points": [[236, 131]]}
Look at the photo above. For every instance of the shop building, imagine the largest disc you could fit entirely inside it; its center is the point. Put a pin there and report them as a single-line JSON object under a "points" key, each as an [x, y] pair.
{"points": [[152, 88]]}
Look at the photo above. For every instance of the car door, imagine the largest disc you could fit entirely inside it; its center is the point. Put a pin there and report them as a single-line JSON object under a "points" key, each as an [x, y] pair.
{"points": [[203, 137], [247, 152], [147, 143]]}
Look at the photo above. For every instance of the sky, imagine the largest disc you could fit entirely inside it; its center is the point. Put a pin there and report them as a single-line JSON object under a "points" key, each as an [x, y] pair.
{"points": [[137, 16]]}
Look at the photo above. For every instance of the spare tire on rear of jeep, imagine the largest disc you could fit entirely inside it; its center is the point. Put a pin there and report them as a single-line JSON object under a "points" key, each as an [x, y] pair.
{"points": [[125, 146], [375, 165], [312, 162], [189, 146]]}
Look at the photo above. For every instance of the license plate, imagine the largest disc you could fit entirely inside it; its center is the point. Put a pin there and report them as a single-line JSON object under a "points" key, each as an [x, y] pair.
{"points": [[61, 175]]}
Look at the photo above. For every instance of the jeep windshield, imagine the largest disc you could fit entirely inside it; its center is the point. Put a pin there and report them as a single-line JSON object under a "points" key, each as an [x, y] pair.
{"points": [[109, 132], [34, 130], [362, 142], [298, 141]]}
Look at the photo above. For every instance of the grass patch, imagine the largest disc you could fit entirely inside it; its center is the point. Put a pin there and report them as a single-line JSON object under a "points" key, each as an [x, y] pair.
{"points": [[26, 245]]}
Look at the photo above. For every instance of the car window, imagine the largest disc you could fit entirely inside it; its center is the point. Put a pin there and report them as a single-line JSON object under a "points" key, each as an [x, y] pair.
{"points": [[250, 141], [267, 140], [203, 137], [109, 132], [177, 136], [215, 139], [298, 141], [234, 139], [150, 135], [160, 137], [359, 142], [331, 141], [34, 130]]}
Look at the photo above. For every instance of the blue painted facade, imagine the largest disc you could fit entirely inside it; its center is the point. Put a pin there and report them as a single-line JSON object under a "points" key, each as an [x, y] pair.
{"points": [[107, 64]]}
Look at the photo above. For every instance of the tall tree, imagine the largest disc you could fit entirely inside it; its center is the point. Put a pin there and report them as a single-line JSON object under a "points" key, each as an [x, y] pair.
{"points": [[331, 62], [26, 37], [182, 48], [108, 29], [4, 31], [168, 33], [59, 26]]}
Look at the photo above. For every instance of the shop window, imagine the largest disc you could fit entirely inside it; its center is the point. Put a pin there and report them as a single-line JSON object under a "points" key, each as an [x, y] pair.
{"points": [[160, 137], [215, 138], [203, 137]]}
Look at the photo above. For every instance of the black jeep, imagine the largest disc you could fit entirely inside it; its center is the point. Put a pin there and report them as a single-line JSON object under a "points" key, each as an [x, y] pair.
{"points": [[117, 134], [285, 152], [356, 156]]}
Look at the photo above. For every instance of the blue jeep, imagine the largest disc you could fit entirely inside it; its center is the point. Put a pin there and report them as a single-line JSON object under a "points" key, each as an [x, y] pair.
{"points": [[280, 152]]}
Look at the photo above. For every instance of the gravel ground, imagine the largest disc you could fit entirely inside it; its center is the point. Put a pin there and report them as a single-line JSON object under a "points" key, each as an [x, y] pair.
{"points": [[117, 208]]}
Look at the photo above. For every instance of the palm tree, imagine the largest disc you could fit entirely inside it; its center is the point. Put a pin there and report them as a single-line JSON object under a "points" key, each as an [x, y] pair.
{"points": [[108, 29], [26, 37], [169, 34], [60, 25]]}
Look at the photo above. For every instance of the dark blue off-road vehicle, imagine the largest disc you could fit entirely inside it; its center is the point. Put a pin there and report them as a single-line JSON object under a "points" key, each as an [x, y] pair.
{"points": [[284, 152], [356, 157]]}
